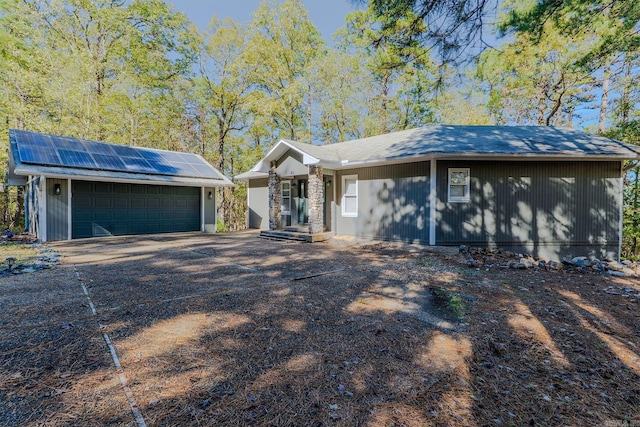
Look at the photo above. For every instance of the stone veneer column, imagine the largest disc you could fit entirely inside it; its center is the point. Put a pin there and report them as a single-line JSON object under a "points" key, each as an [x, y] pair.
{"points": [[316, 195], [275, 199]]}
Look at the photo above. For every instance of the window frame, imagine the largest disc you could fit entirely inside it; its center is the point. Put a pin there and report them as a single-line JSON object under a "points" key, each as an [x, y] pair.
{"points": [[345, 195], [466, 198], [282, 198]]}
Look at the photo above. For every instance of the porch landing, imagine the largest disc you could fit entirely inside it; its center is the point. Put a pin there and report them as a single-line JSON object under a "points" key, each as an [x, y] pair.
{"points": [[295, 234]]}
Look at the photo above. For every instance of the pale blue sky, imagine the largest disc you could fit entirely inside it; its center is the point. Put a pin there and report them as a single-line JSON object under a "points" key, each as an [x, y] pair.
{"points": [[327, 15]]}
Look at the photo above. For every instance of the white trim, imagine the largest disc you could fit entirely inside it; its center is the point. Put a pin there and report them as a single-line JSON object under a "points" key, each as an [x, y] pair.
{"points": [[344, 195], [69, 212], [334, 210], [264, 165], [283, 211], [621, 222], [467, 185], [215, 210], [432, 203], [470, 156], [189, 182], [202, 209], [42, 208]]}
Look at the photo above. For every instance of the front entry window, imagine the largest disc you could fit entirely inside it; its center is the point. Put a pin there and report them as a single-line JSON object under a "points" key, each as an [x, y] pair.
{"points": [[286, 198], [303, 205]]}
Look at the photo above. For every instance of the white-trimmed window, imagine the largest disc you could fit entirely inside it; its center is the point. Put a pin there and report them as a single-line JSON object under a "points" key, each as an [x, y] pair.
{"points": [[458, 188], [350, 195], [285, 194]]}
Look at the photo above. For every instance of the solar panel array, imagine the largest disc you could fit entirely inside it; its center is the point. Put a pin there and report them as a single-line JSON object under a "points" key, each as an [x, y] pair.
{"points": [[50, 150]]}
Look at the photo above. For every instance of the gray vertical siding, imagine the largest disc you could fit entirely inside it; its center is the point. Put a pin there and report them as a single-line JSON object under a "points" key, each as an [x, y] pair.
{"points": [[548, 209], [393, 203], [258, 192], [57, 210], [210, 225]]}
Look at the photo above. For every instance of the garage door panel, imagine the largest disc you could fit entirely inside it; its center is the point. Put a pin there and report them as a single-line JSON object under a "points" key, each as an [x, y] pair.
{"points": [[138, 189], [120, 216], [83, 202], [138, 202], [102, 209], [120, 229], [138, 215], [102, 215], [120, 202], [102, 202], [102, 187], [121, 188]]}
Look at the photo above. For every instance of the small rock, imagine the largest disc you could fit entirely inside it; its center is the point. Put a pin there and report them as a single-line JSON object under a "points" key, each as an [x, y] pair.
{"points": [[205, 403], [616, 273], [334, 416]]}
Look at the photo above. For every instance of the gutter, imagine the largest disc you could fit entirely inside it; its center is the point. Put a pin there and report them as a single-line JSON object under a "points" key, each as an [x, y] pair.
{"points": [[345, 164], [139, 179]]}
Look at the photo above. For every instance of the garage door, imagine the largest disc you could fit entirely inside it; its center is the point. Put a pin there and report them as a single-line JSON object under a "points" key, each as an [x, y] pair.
{"points": [[115, 209]]}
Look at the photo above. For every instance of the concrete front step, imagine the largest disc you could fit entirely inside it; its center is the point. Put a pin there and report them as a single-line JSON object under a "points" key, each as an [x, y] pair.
{"points": [[294, 235]]}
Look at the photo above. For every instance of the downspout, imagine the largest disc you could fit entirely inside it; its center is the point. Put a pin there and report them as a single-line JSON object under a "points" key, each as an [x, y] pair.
{"points": [[42, 212], [69, 213], [432, 202]]}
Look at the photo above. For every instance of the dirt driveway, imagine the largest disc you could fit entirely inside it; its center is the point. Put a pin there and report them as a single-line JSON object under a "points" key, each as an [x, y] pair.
{"points": [[231, 330]]}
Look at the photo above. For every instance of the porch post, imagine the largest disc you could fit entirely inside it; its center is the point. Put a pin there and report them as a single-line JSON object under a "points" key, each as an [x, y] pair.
{"points": [[316, 193], [275, 199]]}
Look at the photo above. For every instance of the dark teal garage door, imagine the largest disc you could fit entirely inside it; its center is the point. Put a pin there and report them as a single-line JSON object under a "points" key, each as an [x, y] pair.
{"points": [[115, 209]]}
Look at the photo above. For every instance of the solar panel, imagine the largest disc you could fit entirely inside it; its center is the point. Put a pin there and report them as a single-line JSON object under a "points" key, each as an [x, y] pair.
{"points": [[123, 150], [77, 159], [109, 162], [99, 148], [32, 154], [60, 151]]}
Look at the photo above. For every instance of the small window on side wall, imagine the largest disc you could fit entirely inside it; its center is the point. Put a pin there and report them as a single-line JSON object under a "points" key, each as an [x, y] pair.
{"points": [[350, 195], [458, 188]]}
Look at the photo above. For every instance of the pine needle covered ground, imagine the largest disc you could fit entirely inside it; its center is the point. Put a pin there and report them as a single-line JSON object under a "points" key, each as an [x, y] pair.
{"points": [[230, 330]]}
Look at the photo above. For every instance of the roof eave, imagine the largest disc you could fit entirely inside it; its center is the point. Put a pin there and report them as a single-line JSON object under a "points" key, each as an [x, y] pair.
{"points": [[476, 156], [264, 165], [68, 173]]}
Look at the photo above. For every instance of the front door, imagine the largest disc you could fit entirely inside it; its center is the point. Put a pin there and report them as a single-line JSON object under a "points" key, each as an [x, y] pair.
{"points": [[303, 206]]}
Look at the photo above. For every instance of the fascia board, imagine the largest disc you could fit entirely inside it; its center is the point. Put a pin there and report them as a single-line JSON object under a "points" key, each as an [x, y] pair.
{"points": [[126, 178]]}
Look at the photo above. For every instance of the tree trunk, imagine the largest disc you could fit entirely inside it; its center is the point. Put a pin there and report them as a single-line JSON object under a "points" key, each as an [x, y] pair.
{"points": [[626, 93], [604, 99], [634, 246]]}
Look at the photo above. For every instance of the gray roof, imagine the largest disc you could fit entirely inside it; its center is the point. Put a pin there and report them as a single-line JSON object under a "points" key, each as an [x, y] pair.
{"points": [[454, 142], [489, 141], [32, 153]]}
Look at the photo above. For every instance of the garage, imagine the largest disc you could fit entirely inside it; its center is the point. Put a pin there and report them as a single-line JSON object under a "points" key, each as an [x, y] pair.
{"points": [[115, 209], [79, 188]]}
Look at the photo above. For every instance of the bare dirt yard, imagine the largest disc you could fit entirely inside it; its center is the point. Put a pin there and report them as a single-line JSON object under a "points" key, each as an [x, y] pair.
{"points": [[231, 330]]}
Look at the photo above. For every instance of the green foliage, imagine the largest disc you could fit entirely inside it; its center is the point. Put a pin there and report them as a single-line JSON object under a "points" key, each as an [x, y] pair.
{"points": [[396, 80], [451, 302], [220, 226], [630, 133], [615, 23]]}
